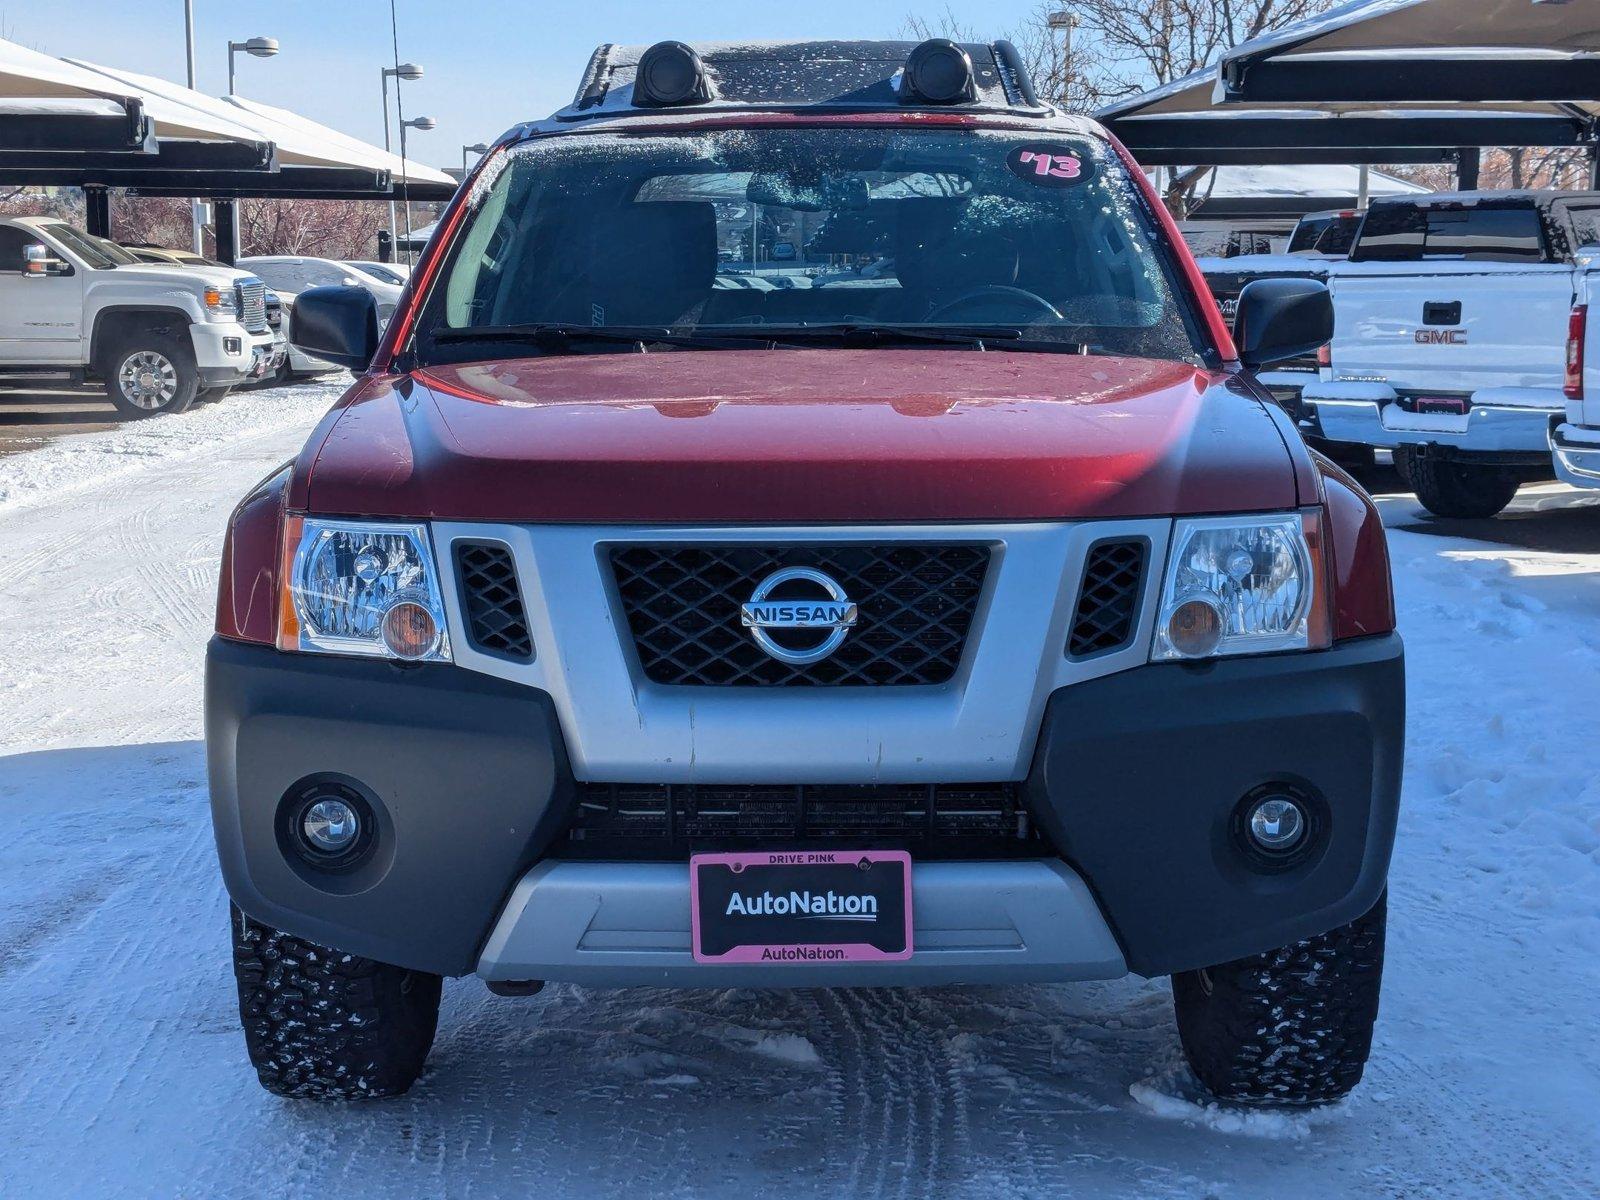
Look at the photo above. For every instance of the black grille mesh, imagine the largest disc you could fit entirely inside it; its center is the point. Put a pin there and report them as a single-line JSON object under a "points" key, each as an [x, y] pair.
{"points": [[916, 606], [492, 600], [1108, 601], [647, 820]]}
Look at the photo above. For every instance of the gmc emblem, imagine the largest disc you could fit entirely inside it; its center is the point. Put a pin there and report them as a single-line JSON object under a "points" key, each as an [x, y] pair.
{"points": [[1441, 337]]}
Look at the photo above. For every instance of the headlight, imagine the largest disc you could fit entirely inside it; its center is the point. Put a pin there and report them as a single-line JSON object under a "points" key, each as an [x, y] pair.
{"points": [[1243, 585], [220, 303], [358, 587]]}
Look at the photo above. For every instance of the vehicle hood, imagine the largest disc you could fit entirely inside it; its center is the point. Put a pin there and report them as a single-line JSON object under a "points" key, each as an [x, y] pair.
{"points": [[179, 275], [799, 436]]}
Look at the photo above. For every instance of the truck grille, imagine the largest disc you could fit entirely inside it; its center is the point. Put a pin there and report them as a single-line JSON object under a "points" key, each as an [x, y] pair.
{"points": [[252, 305], [671, 821], [491, 600], [916, 604], [1108, 600]]}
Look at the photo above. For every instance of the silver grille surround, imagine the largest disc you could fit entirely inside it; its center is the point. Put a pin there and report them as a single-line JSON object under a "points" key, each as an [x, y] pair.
{"points": [[980, 727], [252, 298]]}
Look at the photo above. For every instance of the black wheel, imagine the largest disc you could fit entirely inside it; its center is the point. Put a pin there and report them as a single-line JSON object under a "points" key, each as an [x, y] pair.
{"points": [[1290, 1028], [150, 373], [1456, 489], [323, 1025]]}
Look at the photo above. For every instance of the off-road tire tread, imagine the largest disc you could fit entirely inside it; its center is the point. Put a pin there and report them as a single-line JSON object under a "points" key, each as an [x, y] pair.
{"points": [[320, 1024], [1462, 491], [1290, 1028]]}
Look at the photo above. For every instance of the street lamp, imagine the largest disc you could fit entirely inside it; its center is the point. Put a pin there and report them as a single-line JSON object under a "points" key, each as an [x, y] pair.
{"points": [[475, 148], [1066, 21], [256, 47], [410, 72], [424, 124]]}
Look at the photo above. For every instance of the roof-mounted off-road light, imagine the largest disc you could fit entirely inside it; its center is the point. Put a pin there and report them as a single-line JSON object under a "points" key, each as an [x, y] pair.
{"points": [[938, 72], [670, 73]]}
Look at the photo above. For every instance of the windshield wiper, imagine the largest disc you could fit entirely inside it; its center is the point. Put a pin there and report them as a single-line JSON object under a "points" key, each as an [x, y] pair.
{"points": [[866, 335], [561, 336]]}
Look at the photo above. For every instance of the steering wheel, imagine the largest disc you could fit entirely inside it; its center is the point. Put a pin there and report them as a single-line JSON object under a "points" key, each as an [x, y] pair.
{"points": [[1030, 306]]}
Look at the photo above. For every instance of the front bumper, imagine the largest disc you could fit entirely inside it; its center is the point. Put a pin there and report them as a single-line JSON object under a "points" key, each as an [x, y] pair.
{"points": [[1367, 414], [1576, 451], [1136, 777], [225, 352]]}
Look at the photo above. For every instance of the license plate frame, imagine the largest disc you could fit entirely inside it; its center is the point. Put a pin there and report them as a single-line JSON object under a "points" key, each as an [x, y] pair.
{"points": [[763, 926]]}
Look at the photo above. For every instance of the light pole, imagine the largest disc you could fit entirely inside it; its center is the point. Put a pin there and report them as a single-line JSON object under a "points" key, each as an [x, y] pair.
{"points": [[1066, 21], [475, 148], [409, 72], [256, 47], [424, 124], [196, 217]]}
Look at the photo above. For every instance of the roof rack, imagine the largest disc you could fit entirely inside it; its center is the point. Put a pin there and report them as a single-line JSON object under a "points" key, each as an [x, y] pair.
{"points": [[837, 75]]}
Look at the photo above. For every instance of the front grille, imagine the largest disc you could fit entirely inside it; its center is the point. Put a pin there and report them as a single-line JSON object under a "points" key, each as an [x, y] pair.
{"points": [[1108, 600], [916, 605], [252, 305], [492, 600], [671, 821]]}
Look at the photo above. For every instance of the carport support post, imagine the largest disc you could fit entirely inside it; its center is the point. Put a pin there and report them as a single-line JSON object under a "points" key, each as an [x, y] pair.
{"points": [[225, 221], [97, 215], [1467, 159], [1594, 166]]}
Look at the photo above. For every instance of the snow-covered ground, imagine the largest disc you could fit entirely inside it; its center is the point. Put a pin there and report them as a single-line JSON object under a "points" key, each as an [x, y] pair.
{"points": [[122, 1070]]}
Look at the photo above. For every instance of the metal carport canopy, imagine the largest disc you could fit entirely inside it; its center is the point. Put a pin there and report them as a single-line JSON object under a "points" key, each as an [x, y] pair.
{"points": [[43, 98], [1400, 80], [1534, 52]]}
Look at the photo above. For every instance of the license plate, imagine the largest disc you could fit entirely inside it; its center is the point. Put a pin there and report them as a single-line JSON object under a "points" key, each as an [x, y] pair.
{"points": [[1453, 406], [802, 906]]}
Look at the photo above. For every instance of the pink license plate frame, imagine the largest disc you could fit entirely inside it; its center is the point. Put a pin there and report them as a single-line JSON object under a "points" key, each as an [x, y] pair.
{"points": [[799, 951]]}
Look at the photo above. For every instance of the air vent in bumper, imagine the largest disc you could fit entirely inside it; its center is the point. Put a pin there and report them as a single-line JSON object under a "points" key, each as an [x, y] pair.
{"points": [[667, 821]]}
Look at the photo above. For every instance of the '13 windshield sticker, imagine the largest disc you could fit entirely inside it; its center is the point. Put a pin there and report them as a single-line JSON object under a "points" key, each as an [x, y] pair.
{"points": [[1048, 166]]}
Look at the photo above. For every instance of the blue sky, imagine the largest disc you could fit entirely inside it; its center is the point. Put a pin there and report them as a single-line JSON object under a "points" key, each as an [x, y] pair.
{"points": [[489, 63]]}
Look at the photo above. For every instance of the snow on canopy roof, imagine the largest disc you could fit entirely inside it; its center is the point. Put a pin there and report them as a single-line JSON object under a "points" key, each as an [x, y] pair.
{"points": [[290, 130], [35, 83], [29, 75]]}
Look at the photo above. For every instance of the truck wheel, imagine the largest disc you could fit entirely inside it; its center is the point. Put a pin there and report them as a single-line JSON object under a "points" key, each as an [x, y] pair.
{"points": [[323, 1025], [1455, 489], [1289, 1028], [150, 373]]}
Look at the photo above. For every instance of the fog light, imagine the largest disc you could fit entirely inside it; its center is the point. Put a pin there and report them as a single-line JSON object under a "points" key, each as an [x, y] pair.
{"points": [[232, 346], [331, 826], [1277, 824]]}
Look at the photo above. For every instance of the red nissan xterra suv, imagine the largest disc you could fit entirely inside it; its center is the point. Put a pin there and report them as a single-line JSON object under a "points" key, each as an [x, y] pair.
{"points": [[806, 525]]}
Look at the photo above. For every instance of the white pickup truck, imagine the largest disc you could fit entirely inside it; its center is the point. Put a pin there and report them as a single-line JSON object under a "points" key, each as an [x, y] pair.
{"points": [[1452, 318], [75, 306]]}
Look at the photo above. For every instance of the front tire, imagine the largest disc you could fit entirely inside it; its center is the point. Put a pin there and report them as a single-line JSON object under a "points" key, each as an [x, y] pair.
{"points": [[1289, 1028], [1465, 491], [150, 373], [323, 1025]]}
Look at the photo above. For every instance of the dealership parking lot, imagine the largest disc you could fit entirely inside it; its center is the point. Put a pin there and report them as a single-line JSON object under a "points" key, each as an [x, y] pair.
{"points": [[123, 1068]]}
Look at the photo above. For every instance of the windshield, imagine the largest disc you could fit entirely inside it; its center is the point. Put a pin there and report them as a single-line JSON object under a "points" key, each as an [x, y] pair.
{"points": [[97, 254], [791, 235]]}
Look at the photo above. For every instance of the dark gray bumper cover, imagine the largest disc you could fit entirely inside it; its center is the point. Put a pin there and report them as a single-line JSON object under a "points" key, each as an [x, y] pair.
{"points": [[1138, 775]]}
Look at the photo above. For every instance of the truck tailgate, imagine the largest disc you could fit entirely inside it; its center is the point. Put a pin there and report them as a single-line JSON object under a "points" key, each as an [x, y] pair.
{"points": [[1451, 327]]}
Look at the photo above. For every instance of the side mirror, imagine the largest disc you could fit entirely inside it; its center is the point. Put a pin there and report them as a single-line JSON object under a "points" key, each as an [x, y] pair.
{"points": [[39, 263], [1280, 319], [339, 324]]}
